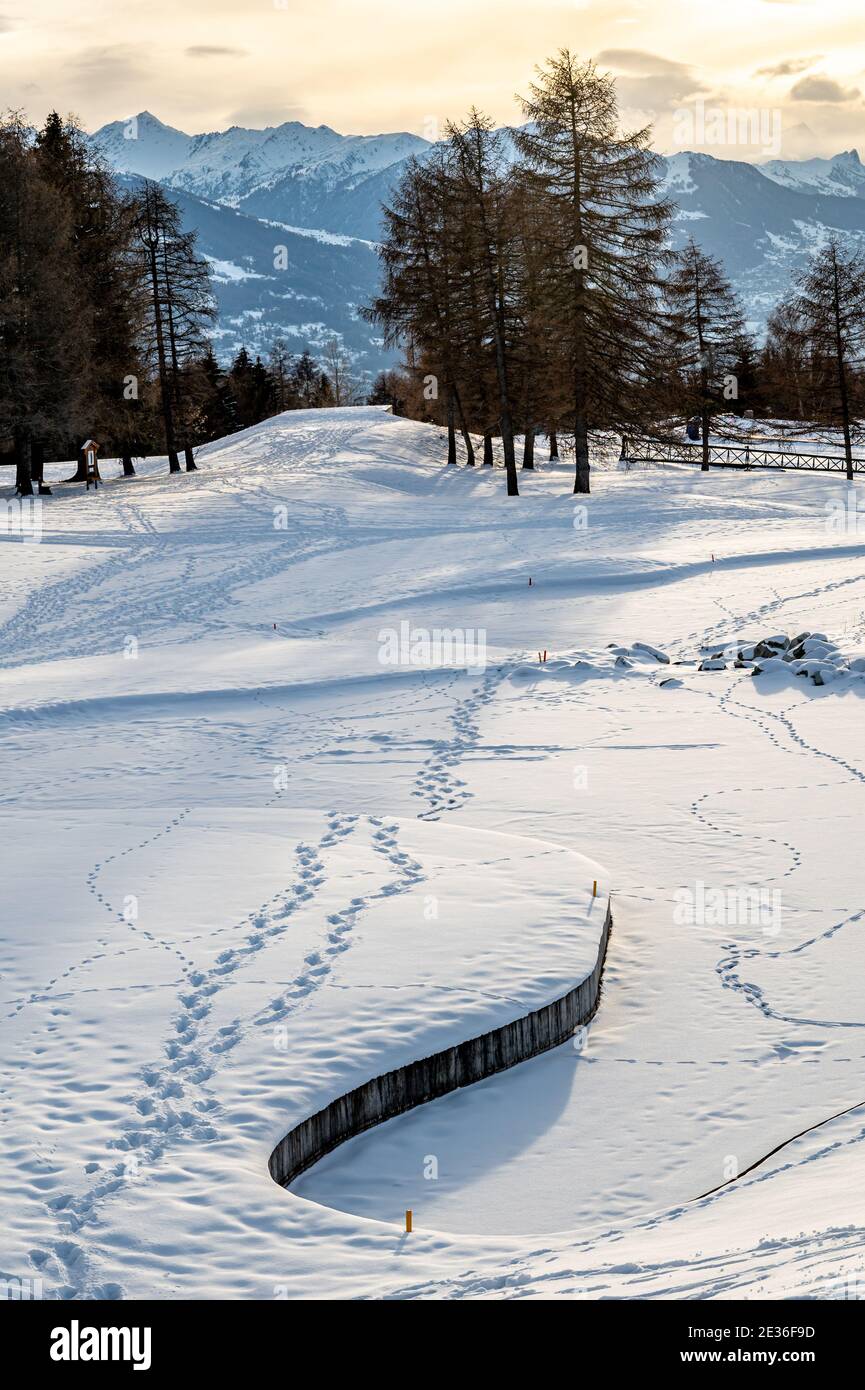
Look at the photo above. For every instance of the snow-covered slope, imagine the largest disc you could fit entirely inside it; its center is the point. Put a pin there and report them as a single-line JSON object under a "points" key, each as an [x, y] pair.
{"points": [[254, 861]]}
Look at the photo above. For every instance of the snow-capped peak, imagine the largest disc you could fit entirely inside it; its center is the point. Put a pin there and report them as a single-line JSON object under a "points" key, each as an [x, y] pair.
{"points": [[143, 144], [230, 164], [843, 175]]}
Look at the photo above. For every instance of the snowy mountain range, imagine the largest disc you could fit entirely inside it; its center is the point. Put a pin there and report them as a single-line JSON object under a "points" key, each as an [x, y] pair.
{"points": [[762, 222], [319, 194]]}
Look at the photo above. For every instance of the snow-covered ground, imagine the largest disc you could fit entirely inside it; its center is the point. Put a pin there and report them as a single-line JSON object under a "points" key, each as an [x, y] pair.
{"points": [[259, 848]]}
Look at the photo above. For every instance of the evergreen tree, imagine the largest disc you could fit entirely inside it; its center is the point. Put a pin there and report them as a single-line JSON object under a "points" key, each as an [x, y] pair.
{"points": [[605, 228], [787, 368], [251, 389], [390, 388], [709, 333], [212, 404], [179, 305], [43, 306], [486, 250], [281, 364], [830, 308], [102, 224], [306, 380]]}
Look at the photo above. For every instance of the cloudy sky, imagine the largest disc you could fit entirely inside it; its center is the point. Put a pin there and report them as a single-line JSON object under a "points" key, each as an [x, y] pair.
{"points": [[370, 65]]}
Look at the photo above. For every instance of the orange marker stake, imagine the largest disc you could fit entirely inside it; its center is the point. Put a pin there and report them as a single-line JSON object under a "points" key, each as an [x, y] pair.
{"points": [[595, 888], [408, 1222]]}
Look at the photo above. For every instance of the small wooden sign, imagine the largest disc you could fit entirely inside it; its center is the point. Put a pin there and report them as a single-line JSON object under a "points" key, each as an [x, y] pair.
{"points": [[90, 450]]}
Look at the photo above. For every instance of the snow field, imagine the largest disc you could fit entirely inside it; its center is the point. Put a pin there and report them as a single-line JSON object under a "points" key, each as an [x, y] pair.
{"points": [[222, 838]]}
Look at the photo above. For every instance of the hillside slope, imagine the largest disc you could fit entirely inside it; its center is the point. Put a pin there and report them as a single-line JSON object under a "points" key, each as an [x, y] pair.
{"points": [[258, 858]]}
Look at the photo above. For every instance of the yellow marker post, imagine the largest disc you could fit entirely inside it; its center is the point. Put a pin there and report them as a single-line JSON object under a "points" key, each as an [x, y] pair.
{"points": [[408, 1222], [595, 888]]}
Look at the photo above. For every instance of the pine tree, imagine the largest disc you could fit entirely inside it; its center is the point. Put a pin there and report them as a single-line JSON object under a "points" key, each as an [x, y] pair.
{"points": [[211, 406], [709, 330], [830, 307], [415, 306], [280, 363], [43, 308], [487, 249], [605, 232], [307, 381], [179, 305], [391, 388], [786, 366], [102, 225]]}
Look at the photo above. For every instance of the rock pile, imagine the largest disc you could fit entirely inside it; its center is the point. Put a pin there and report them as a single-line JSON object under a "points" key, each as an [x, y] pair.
{"points": [[809, 654]]}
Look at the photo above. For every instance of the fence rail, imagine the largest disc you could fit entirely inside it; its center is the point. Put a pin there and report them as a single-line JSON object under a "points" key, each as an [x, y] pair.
{"points": [[745, 456]]}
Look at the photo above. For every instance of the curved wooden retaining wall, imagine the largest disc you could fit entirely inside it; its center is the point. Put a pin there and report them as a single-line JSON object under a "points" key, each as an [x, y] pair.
{"points": [[397, 1091]]}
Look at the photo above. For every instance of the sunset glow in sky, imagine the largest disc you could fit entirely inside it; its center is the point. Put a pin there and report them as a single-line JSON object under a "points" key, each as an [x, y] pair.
{"points": [[369, 65]]}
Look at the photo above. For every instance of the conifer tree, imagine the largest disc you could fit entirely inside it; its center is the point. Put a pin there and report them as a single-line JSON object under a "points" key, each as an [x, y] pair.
{"points": [[280, 364], [830, 308], [482, 197], [43, 357], [307, 381], [709, 331], [605, 228], [109, 325], [178, 306]]}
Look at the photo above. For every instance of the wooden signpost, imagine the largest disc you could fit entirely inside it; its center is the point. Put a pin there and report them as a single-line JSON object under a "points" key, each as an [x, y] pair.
{"points": [[90, 450]]}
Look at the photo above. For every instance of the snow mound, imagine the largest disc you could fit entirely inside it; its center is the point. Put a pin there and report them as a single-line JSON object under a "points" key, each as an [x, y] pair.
{"points": [[639, 658]]}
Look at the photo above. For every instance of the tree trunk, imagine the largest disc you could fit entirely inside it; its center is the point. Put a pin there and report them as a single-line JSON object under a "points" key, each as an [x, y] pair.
{"points": [[842, 378], [582, 475], [529, 449], [37, 461], [80, 474], [509, 453], [704, 371], [164, 388], [554, 447], [845, 418], [23, 462], [128, 469], [191, 465], [467, 439], [452, 433], [488, 448], [582, 483]]}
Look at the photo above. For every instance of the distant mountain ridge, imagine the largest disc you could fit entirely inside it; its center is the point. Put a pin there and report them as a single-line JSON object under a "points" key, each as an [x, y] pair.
{"points": [[320, 189], [763, 222], [235, 164]]}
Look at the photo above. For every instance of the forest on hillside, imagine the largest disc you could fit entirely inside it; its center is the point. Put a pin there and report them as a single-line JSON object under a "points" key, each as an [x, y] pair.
{"points": [[527, 278], [105, 307]]}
